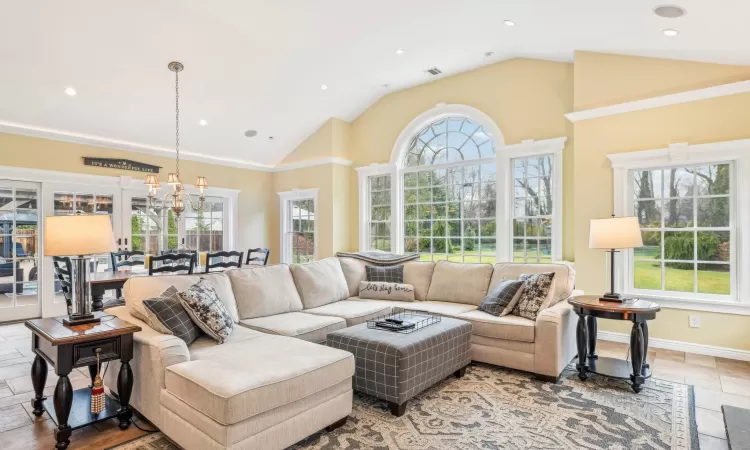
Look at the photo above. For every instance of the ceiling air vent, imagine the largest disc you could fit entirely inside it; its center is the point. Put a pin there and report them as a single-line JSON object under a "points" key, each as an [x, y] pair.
{"points": [[434, 71]]}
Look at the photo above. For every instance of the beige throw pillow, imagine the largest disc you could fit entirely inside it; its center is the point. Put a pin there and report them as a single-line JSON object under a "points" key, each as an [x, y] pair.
{"points": [[379, 290]]}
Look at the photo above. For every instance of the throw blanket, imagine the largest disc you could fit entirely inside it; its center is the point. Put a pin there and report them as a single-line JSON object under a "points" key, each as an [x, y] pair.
{"points": [[379, 258]]}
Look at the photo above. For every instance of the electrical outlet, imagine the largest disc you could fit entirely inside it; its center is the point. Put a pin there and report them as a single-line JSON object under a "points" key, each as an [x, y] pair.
{"points": [[695, 321]]}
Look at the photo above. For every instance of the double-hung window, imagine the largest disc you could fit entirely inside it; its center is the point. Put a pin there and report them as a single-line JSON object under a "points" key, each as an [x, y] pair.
{"points": [[686, 219], [298, 226], [687, 201], [532, 209]]}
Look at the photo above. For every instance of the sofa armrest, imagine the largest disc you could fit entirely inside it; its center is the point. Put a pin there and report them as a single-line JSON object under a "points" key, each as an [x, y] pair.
{"points": [[554, 341], [153, 352]]}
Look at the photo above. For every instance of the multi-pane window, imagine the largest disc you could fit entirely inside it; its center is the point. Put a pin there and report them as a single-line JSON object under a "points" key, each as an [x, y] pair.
{"points": [[18, 246], [686, 217], [301, 230], [152, 229], [380, 212], [450, 209], [532, 209], [204, 229]]}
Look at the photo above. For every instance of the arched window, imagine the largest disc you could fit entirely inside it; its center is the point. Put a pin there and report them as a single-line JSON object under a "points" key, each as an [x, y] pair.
{"points": [[453, 190], [449, 192]]}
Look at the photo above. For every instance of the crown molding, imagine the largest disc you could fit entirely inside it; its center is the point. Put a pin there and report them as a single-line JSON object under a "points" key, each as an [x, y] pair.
{"points": [[722, 90], [99, 141], [312, 163]]}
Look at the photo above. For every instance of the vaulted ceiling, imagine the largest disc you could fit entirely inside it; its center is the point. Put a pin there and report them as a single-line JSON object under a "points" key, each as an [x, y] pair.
{"points": [[260, 64]]}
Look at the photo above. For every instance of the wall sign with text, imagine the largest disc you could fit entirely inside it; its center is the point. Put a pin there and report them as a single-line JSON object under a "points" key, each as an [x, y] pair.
{"points": [[121, 164]]}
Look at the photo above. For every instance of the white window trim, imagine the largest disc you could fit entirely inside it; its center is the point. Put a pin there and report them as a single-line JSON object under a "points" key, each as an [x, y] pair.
{"points": [[505, 192], [284, 214], [737, 152]]}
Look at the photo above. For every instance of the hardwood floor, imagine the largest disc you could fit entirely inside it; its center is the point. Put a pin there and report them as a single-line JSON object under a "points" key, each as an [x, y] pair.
{"points": [[717, 382]]}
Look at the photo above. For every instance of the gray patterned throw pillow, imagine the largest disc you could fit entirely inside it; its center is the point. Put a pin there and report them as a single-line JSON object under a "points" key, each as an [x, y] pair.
{"points": [[203, 305], [536, 290], [385, 274], [503, 298], [167, 315]]}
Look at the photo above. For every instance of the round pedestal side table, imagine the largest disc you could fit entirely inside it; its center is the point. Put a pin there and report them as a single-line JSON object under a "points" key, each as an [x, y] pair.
{"points": [[590, 308]]}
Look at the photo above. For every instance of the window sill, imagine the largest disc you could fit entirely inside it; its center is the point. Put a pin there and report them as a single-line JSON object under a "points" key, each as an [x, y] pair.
{"points": [[724, 307]]}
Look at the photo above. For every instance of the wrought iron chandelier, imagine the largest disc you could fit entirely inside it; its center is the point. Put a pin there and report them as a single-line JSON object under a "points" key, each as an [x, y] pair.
{"points": [[178, 197]]}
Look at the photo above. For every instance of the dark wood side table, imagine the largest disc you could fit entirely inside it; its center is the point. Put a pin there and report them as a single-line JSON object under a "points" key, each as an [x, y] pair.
{"points": [[69, 347], [589, 308]]}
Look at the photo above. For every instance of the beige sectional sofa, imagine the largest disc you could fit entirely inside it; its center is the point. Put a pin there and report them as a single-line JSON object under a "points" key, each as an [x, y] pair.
{"points": [[271, 384]]}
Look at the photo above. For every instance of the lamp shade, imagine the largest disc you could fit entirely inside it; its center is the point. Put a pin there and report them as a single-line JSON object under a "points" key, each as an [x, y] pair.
{"points": [[78, 235], [615, 232]]}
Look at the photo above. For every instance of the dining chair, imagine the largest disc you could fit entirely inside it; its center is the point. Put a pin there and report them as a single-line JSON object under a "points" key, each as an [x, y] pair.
{"points": [[223, 264], [124, 258], [64, 270], [172, 262], [261, 260]]}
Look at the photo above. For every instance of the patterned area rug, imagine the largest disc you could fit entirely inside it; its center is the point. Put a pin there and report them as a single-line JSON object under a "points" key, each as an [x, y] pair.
{"points": [[494, 408]]}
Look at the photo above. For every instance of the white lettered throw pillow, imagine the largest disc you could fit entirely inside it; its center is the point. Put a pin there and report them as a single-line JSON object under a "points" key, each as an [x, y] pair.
{"points": [[378, 290]]}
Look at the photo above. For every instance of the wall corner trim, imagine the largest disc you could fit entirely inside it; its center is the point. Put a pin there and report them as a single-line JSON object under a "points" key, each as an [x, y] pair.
{"points": [[722, 90], [313, 163]]}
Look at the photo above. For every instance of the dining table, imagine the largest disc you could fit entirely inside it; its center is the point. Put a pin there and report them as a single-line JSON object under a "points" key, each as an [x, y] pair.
{"points": [[101, 282]]}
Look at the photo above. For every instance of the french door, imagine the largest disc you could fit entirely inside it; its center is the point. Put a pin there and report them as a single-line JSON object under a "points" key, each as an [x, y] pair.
{"points": [[19, 250], [61, 199]]}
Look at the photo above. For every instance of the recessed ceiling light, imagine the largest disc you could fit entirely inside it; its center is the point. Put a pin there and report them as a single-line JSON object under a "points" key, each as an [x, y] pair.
{"points": [[70, 91], [251, 133], [669, 11], [400, 51], [324, 86], [203, 123], [509, 23], [670, 32]]}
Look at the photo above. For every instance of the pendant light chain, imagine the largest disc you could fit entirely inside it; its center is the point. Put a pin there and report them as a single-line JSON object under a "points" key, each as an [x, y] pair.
{"points": [[177, 119]]}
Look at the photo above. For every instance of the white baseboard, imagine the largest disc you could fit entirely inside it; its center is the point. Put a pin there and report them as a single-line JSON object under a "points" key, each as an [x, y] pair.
{"points": [[680, 346]]}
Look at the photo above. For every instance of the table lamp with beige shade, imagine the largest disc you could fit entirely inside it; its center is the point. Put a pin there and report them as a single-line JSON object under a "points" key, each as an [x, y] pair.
{"points": [[77, 237], [612, 234]]}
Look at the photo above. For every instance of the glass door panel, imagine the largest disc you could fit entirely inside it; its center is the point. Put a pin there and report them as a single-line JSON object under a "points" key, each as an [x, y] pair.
{"points": [[19, 251], [61, 200]]}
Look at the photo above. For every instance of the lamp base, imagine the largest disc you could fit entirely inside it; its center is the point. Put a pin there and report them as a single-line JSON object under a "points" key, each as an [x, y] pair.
{"points": [[81, 319]]}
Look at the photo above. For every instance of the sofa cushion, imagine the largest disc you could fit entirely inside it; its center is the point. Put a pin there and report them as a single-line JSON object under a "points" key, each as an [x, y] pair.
{"points": [[377, 290], [565, 276], [419, 275], [203, 305], [354, 272], [353, 311], [509, 327], [206, 348], [264, 291], [386, 274], [272, 371], [137, 289], [167, 316], [502, 298], [537, 294], [308, 327], [442, 308], [320, 282], [459, 282]]}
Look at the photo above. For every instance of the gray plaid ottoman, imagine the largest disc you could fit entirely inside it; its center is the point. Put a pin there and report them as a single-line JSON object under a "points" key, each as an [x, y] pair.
{"points": [[395, 367]]}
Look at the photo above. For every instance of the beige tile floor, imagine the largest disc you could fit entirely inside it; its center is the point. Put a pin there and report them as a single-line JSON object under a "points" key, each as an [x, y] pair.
{"points": [[717, 382]]}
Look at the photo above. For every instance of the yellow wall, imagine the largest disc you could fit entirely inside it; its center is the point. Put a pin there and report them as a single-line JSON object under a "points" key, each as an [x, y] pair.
{"points": [[605, 79], [329, 141], [256, 189]]}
